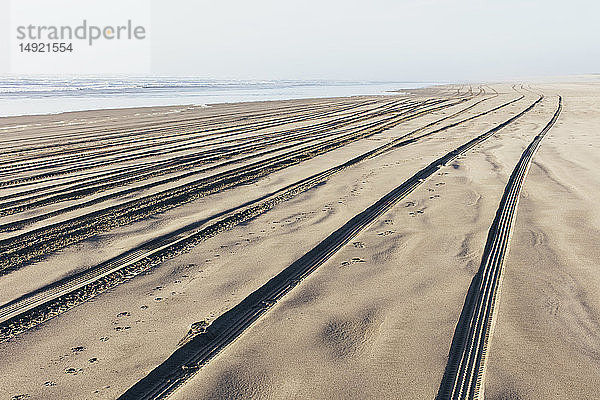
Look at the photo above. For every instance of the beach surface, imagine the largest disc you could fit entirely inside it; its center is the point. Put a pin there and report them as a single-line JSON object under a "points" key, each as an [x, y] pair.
{"points": [[436, 243]]}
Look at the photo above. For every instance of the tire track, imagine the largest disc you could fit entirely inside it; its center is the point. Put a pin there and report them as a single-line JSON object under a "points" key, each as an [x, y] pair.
{"points": [[32, 165], [465, 371], [185, 362], [151, 129], [87, 188], [35, 307], [21, 249], [224, 150], [320, 127], [199, 133]]}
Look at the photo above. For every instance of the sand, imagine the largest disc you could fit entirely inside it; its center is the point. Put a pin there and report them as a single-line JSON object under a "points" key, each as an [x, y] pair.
{"points": [[374, 321]]}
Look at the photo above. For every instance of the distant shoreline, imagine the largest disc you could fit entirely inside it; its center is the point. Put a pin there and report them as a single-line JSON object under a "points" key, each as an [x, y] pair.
{"points": [[53, 96]]}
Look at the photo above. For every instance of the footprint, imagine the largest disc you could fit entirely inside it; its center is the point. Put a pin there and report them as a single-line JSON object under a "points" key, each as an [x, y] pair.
{"points": [[93, 360], [389, 222], [21, 397], [435, 196], [123, 314], [104, 338], [121, 328], [386, 233], [49, 383], [358, 245], [77, 349], [410, 204], [73, 371], [440, 183]]}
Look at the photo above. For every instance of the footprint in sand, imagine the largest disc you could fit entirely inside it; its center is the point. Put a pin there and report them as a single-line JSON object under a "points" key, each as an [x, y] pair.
{"points": [[49, 383], [414, 213], [73, 371], [121, 328], [77, 349], [385, 233], [358, 245]]}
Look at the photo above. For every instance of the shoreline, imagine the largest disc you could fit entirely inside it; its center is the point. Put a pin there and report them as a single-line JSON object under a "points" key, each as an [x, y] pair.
{"points": [[151, 111], [88, 97]]}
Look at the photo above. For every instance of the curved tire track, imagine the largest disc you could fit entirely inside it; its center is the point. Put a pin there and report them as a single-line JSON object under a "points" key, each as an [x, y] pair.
{"points": [[463, 378], [34, 307], [185, 362], [21, 249]]}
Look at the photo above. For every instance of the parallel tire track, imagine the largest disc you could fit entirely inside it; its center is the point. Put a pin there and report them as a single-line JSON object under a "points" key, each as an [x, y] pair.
{"points": [[179, 142], [142, 166], [184, 161], [189, 358], [35, 307], [146, 130], [463, 378], [87, 162], [224, 150], [20, 249]]}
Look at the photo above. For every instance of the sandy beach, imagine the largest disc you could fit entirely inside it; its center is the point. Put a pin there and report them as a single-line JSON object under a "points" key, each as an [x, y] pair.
{"points": [[439, 243]]}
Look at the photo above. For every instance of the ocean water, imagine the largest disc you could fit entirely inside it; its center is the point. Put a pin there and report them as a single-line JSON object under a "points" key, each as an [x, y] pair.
{"points": [[27, 96]]}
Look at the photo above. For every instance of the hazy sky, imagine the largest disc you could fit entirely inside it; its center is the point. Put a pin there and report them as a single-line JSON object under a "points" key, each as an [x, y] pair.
{"points": [[417, 40], [376, 39]]}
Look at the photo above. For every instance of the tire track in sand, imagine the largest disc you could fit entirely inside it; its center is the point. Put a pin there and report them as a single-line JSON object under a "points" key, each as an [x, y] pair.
{"points": [[21, 249], [53, 299], [185, 362], [465, 371]]}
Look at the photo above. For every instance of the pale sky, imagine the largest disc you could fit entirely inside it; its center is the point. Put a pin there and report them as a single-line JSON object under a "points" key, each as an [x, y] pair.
{"points": [[376, 39], [402, 40]]}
